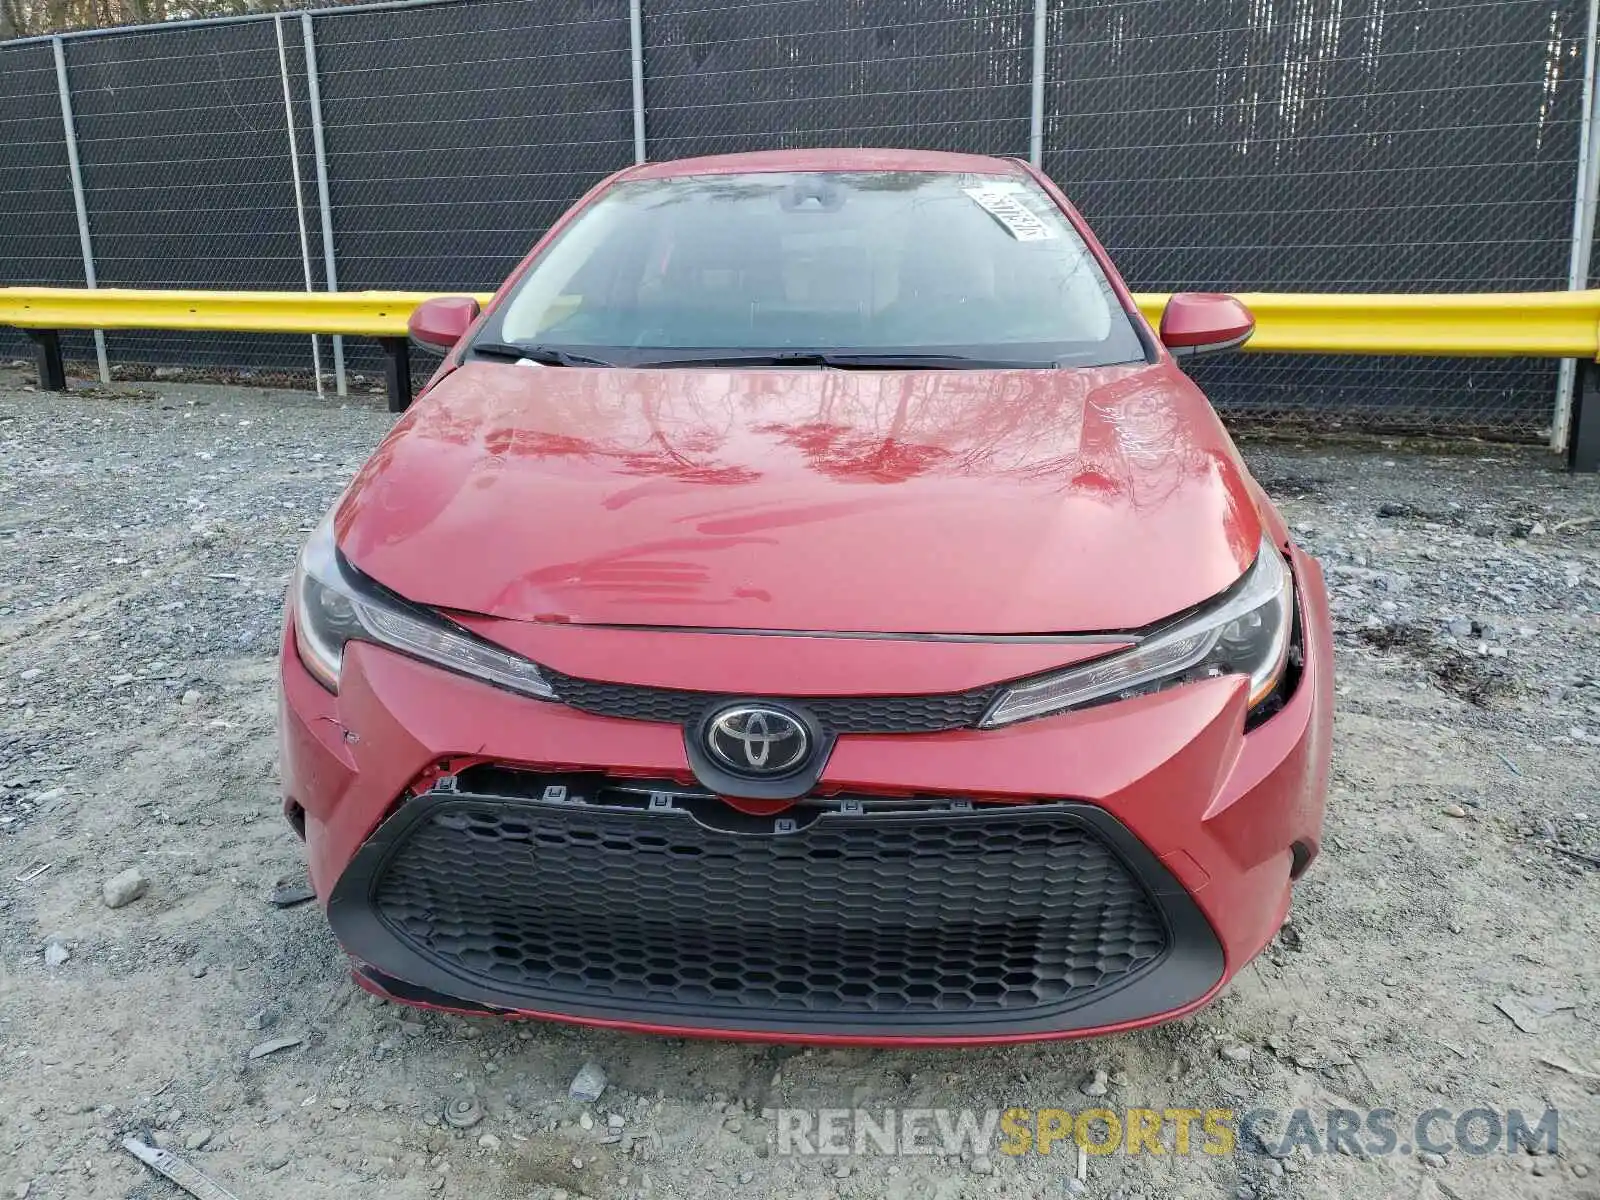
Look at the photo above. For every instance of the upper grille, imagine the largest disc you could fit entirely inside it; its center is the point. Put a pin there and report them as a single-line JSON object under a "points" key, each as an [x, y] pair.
{"points": [[954, 910], [837, 714]]}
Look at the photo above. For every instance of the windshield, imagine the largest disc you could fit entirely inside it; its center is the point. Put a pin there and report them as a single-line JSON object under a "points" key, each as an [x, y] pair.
{"points": [[960, 269]]}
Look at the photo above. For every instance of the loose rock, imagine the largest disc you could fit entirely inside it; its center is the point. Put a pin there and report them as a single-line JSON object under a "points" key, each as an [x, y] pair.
{"points": [[275, 1159], [1095, 1085], [289, 894], [125, 888], [589, 1084], [463, 1112], [262, 1049]]}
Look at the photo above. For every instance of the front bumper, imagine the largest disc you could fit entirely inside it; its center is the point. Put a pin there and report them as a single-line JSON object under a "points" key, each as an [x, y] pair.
{"points": [[1073, 875]]}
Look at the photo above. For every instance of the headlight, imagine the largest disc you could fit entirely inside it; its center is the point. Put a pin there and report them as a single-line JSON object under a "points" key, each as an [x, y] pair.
{"points": [[332, 608], [1246, 632]]}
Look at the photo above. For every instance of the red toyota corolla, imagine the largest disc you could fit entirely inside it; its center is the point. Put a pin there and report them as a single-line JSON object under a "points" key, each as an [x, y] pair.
{"points": [[810, 603]]}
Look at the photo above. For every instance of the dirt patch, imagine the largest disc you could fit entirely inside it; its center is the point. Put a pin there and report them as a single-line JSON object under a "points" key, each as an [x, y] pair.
{"points": [[1476, 679], [1473, 679]]}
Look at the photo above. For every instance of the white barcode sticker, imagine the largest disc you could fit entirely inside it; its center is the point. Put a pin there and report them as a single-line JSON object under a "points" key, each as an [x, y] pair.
{"points": [[1002, 202]]}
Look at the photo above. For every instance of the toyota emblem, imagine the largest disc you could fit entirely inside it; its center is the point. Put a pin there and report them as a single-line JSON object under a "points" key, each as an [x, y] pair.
{"points": [[755, 740]]}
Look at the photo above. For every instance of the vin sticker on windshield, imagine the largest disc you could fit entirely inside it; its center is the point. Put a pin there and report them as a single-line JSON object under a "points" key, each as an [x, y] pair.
{"points": [[1004, 205]]}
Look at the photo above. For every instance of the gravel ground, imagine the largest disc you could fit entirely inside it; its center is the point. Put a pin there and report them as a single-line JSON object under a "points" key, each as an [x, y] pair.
{"points": [[145, 541]]}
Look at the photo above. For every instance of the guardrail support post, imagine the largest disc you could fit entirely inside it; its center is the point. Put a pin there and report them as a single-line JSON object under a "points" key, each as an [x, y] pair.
{"points": [[1583, 431], [47, 349], [397, 372]]}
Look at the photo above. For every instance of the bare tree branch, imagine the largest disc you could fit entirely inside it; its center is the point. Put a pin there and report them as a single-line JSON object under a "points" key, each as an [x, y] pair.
{"points": [[24, 18]]}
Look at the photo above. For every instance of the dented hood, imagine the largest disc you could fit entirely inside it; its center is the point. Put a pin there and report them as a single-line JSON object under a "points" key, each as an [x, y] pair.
{"points": [[985, 502]]}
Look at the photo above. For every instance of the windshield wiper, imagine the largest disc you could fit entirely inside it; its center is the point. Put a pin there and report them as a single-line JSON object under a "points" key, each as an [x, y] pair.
{"points": [[841, 359], [549, 356]]}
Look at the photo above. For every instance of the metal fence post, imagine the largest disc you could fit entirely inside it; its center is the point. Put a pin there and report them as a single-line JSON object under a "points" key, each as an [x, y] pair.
{"points": [[1041, 25], [329, 267], [636, 43], [70, 128], [299, 195], [1583, 217]]}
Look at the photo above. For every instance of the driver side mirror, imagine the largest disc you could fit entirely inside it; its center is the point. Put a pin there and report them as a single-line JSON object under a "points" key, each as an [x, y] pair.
{"points": [[438, 324], [1203, 323]]}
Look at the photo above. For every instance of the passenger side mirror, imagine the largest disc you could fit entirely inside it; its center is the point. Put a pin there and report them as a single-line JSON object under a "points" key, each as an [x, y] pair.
{"points": [[438, 324], [1204, 322]]}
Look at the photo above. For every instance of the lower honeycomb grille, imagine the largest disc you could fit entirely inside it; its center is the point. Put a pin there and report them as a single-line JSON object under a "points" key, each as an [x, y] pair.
{"points": [[865, 913]]}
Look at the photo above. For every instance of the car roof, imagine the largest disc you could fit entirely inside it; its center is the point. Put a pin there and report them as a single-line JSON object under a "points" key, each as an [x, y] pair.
{"points": [[827, 160]]}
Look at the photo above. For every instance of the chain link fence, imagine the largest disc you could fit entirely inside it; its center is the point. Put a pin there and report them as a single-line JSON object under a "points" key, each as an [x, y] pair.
{"points": [[184, 143], [1300, 145], [1355, 146], [38, 222], [457, 134], [721, 78]]}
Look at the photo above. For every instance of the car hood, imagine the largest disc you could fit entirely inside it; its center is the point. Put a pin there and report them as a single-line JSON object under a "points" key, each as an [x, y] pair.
{"points": [[974, 502]]}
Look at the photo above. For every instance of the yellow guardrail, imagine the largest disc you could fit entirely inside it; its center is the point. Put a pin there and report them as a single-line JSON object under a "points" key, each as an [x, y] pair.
{"points": [[1508, 324], [361, 314], [1535, 324], [1504, 324]]}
